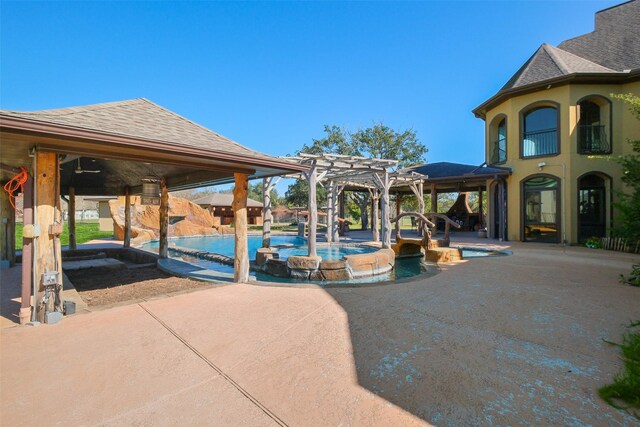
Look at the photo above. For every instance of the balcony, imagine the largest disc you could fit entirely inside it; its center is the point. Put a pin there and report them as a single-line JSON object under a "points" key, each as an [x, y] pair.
{"points": [[498, 155], [540, 143], [592, 139]]}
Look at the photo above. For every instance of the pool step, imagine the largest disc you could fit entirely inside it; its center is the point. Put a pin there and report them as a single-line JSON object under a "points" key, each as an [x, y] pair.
{"points": [[440, 255]]}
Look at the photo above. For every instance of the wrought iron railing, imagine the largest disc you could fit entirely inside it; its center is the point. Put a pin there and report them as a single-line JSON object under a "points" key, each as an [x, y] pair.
{"points": [[498, 155], [592, 139], [540, 143]]}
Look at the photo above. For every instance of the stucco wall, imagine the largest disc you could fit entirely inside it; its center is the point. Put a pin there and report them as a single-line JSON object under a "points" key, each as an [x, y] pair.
{"points": [[573, 165]]}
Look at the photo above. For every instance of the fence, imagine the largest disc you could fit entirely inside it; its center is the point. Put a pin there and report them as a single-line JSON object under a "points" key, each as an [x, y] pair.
{"points": [[619, 244]]}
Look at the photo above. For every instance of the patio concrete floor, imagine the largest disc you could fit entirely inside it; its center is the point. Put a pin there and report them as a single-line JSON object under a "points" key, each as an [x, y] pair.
{"points": [[511, 340]]}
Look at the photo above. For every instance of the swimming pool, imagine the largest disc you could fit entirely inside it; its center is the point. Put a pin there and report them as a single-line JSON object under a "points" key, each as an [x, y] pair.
{"points": [[286, 245]]}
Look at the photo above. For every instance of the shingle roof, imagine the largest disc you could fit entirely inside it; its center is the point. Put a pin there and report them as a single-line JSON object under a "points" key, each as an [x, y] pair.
{"points": [[550, 62], [224, 199], [610, 53], [615, 42], [139, 118], [444, 170]]}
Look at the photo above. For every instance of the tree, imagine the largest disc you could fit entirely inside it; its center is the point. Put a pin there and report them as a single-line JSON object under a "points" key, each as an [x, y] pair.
{"points": [[378, 141], [382, 142], [334, 142], [628, 203]]}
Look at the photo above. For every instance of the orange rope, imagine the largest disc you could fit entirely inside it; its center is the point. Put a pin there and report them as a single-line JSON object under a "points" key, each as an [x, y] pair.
{"points": [[16, 183]]}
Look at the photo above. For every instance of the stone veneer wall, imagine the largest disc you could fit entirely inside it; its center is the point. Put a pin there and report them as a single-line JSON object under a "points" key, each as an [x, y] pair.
{"points": [[315, 268]]}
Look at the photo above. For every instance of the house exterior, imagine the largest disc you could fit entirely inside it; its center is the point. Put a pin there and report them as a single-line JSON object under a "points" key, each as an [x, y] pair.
{"points": [[220, 206], [555, 125]]}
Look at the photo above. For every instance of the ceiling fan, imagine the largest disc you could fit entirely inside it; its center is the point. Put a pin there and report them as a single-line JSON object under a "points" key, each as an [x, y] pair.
{"points": [[79, 169]]}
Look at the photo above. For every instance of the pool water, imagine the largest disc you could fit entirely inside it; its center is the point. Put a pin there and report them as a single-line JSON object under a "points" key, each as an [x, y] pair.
{"points": [[287, 246]]}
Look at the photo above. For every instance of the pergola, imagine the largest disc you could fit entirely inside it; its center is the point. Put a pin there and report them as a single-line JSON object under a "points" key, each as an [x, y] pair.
{"points": [[114, 149], [337, 173]]}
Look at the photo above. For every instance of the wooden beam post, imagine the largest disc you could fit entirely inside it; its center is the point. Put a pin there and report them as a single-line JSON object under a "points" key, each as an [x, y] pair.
{"points": [[72, 219], [335, 230], [163, 250], [27, 253], [386, 221], [330, 209], [49, 257], [127, 217], [7, 229], [434, 199], [267, 217], [241, 250], [375, 227], [312, 207]]}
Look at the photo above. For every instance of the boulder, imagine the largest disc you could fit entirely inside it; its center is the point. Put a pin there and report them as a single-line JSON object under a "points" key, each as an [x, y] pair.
{"points": [[277, 267], [190, 219], [340, 274], [303, 262]]}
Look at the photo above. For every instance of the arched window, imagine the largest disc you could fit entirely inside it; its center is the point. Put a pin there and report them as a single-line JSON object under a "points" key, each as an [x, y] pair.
{"points": [[499, 142], [540, 132], [541, 209], [594, 116]]}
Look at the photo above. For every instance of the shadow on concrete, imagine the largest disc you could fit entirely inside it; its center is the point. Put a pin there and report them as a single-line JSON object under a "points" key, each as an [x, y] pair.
{"points": [[10, 296]]}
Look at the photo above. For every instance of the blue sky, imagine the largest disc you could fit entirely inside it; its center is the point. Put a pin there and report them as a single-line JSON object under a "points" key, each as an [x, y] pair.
{"points": [[270, 74]]}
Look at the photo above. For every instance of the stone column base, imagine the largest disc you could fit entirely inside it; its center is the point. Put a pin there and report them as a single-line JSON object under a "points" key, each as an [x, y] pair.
{"points": [[25, 315]]}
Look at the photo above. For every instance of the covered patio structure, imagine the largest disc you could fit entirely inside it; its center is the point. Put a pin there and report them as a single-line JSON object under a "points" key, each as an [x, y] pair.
{"points": [[445, 177], [119, 148]]}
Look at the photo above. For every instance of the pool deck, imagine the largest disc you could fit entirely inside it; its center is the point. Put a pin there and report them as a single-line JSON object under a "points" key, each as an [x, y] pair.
{"points": [[488, 341]]}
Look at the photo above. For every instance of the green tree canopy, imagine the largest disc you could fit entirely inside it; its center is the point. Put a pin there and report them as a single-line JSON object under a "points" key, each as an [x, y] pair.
{"points": [[382, 142], [378, 141], [628, 203]]}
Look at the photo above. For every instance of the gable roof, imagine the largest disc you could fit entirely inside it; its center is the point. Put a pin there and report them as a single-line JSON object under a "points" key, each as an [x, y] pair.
{"points": [[224, 199], [138, 118], [609, 54], [448, 171]]}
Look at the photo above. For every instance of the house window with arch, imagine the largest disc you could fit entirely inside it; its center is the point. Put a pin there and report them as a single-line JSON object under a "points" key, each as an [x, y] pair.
{"points": [[541, 209], [594, 125], [539, 131], [498, 140]]}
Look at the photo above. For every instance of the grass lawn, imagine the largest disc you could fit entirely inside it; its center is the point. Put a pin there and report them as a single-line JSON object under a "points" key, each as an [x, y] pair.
{"points": [[85, 231]]}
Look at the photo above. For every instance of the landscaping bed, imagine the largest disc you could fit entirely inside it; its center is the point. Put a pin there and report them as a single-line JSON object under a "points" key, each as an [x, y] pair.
{"points": [[99, 287]]}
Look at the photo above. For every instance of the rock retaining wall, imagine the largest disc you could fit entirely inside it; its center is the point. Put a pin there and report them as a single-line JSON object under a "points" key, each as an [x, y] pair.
{"points": [[309, 268]]}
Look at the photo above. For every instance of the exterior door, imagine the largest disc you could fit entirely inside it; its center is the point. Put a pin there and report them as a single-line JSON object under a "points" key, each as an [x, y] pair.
{"points": [[541, 210], [591, 207]]}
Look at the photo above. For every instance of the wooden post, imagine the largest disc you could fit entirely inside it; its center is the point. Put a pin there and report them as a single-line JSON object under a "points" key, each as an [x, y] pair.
{"points": [[267, 218], [335, 222], [434, 199], [163, 250], [341, 205], [127, 217], [398, 204], [27, 253], [386, 222], [49, 257], [375, 227], [72, 219], [241, 251], [7, 229], [330, 208], [312, 207]]}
